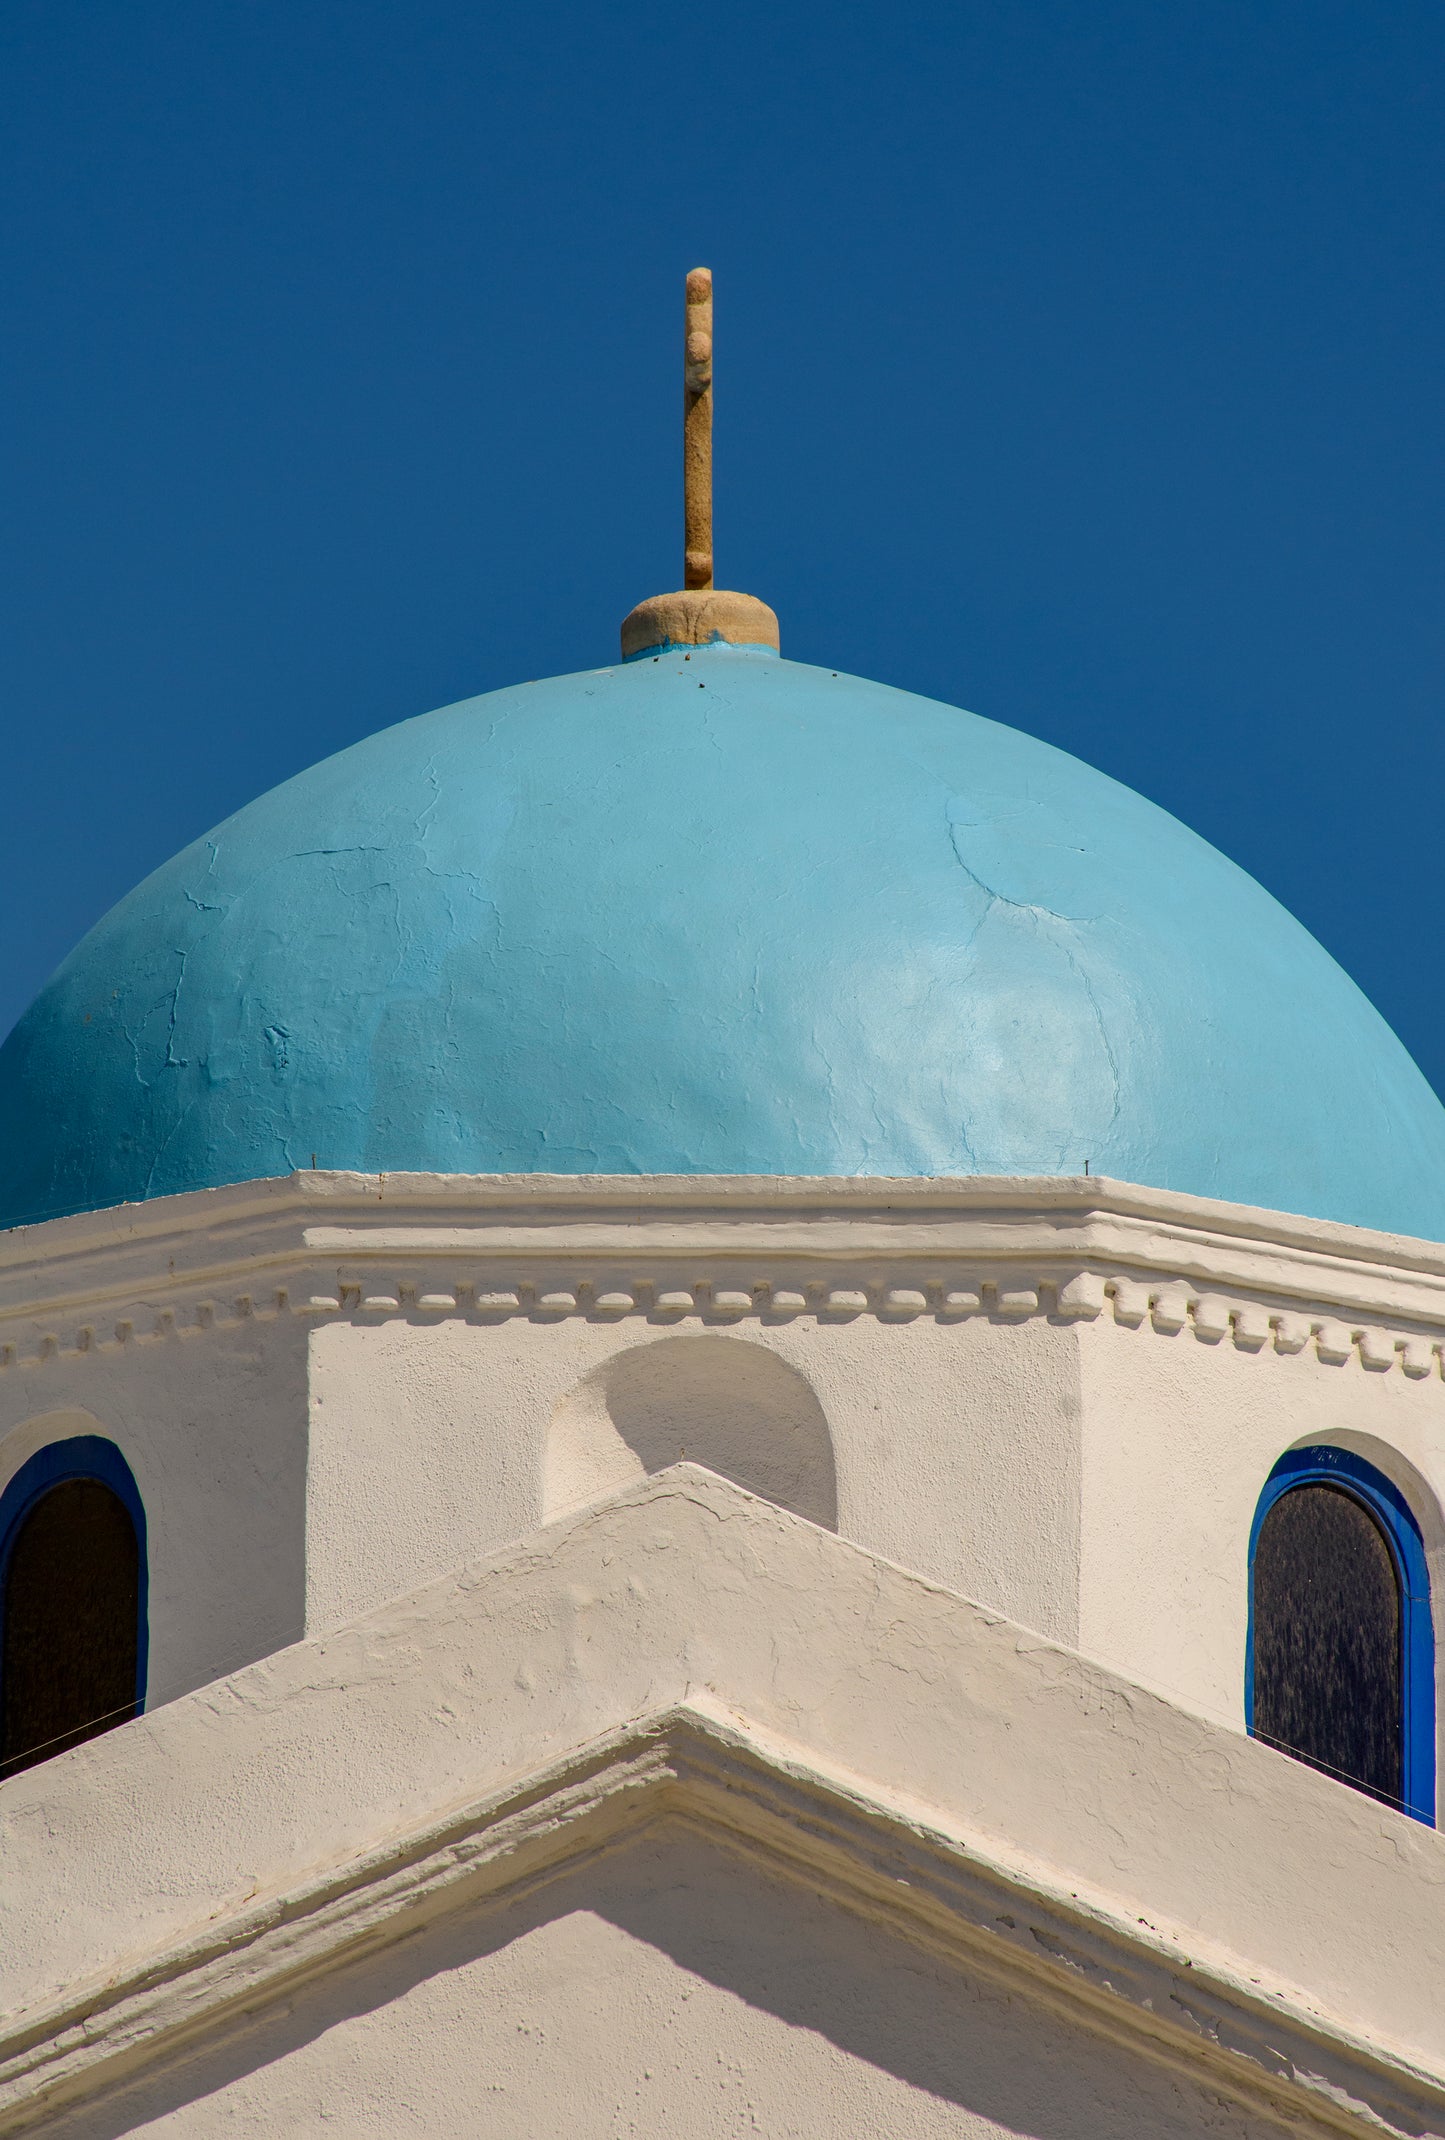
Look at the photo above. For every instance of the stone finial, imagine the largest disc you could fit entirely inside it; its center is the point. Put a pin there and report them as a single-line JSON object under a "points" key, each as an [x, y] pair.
{"points": [[697, 431], [699, 613]]}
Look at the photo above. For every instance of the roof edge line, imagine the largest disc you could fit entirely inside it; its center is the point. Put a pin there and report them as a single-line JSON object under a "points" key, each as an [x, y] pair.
{"points": [[858, 1844], [344, 1191]]}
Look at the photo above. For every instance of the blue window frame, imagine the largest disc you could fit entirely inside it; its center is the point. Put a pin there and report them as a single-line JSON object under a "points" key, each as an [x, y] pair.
{"points": [[1350, 1474], [83, 1456]]}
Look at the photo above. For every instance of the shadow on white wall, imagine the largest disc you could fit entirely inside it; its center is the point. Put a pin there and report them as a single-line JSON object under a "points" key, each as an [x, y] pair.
{"points": [[718, 1401]]}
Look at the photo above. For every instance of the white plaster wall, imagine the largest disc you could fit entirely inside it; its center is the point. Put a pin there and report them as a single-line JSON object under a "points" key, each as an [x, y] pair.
{"points": [[170, 1832], [672, 1989], [1090, 1480], [1179, 1437], [955, 1445], [213, 1427]]}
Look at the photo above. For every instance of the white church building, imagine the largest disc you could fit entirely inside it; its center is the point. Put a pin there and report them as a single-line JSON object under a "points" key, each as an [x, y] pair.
{"points": [[721, 1412]]}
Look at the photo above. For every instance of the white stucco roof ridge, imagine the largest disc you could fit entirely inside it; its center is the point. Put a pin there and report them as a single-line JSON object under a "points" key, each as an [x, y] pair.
{"points": [[864, 1849], [1240, 1899], [272, 1233]]}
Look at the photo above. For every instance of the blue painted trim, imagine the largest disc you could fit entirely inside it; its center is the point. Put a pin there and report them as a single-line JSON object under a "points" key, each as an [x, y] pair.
{"points": [[1342, 1468], [83, 1456]]}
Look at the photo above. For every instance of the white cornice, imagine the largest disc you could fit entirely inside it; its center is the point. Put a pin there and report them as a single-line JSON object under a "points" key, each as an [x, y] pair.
{"points": [[1195, 2012], [430, 1201], [721, 1248]]}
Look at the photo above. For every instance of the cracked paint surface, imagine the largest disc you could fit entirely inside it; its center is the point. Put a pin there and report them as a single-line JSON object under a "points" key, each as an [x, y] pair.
{"points": [[795, 923]]}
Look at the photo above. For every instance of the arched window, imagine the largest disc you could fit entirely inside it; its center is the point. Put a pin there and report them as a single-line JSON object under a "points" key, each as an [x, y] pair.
{"points": [[72, 1600], [1341, 1664]]}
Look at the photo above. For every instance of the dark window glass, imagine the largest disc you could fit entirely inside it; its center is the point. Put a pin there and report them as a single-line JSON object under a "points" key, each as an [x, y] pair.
{"points": [[1327, 1639], [72, 1596]]}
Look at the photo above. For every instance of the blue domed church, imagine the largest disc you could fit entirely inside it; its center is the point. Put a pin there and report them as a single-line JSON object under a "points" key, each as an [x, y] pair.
{"points": [[721, 1410], [708, 911]]}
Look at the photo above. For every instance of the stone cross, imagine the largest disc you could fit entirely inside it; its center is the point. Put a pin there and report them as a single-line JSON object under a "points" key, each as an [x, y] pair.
{"points": [[697, 431], [699, 613]]}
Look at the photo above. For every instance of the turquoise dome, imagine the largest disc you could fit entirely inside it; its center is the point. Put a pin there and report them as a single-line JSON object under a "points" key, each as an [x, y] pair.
{"points": [[722, 914]]}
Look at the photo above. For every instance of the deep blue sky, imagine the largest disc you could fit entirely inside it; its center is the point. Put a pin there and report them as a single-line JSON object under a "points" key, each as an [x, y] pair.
{"points": [[1081, 364]]}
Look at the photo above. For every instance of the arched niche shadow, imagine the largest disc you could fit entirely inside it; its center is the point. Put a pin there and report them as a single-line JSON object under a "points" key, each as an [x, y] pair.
{"points": [[723, 1402]]}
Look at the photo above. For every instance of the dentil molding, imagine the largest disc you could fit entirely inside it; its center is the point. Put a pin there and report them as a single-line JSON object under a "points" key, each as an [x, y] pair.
{"points": [[718, 1251]]}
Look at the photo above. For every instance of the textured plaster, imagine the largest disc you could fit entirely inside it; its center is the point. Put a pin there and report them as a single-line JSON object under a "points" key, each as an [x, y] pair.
{"points": [[1198, 1899], [953, 1451], [711, 913], [677, 1989], [1062, 1398]]}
